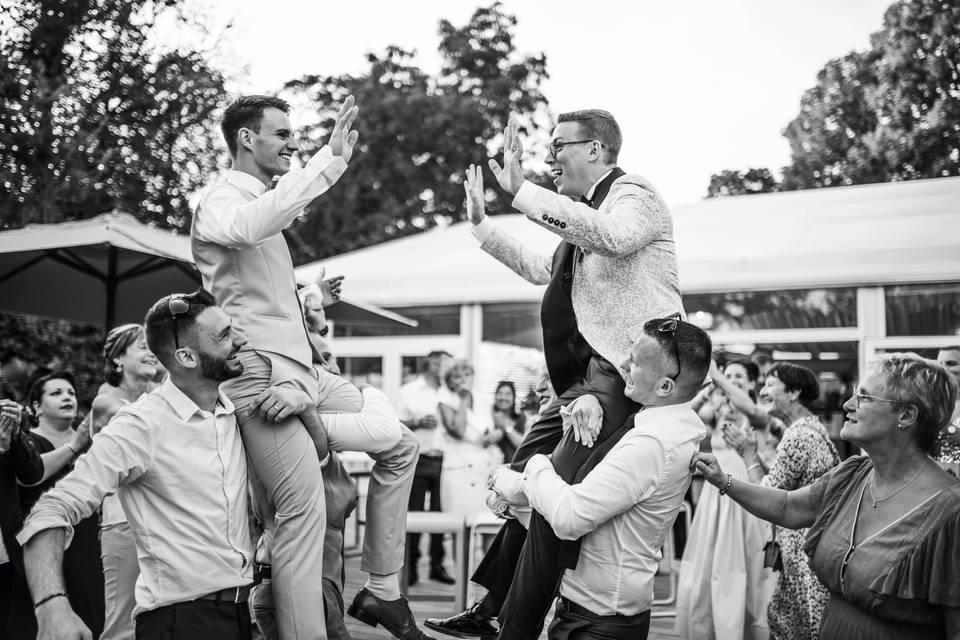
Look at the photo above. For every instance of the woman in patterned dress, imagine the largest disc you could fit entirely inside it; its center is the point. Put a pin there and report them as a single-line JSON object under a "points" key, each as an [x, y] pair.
{"points": [[946, 448], [804, 454]]}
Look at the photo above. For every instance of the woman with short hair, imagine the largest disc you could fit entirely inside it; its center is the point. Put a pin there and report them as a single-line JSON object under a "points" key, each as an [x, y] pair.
{"points": [[883, 527]]}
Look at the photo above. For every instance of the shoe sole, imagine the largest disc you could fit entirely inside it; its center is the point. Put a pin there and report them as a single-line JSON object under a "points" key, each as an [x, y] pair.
{"points": [[456, 634]]}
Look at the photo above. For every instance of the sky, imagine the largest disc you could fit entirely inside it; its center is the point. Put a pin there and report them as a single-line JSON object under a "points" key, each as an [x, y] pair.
{"points": [[697, 86]]}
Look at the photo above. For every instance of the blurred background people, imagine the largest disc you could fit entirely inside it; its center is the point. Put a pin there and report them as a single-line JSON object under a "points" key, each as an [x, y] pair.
{"points": [[418, 410], [946, 448], [510, 423], [883, 528], [723, 589], [129, 371], [53, 401]]}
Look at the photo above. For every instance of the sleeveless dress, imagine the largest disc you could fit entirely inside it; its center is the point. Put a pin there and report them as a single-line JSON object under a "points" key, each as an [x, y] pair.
{"points": [[723, 589], [82, 570]]}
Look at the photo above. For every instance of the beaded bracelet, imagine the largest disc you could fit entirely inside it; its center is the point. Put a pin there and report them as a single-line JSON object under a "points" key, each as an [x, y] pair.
{"points": [[726, 487], [59, 594]]}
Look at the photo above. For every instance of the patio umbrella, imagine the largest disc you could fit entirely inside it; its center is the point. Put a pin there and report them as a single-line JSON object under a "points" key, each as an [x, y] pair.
{"points": [[108, 270]]}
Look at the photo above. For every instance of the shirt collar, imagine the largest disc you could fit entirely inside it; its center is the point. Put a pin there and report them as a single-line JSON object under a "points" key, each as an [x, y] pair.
{"points": [[654, 417], [590, 192], [186, 408], [246, 182]]}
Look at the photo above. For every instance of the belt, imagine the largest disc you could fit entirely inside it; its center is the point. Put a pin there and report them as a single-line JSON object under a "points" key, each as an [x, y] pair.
{"points": [[567, 605], [236, 595]]}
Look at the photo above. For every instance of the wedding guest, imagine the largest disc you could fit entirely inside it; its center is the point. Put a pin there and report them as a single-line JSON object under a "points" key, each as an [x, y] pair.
{"points": [[129, 369], [510, 423], [946, 448], [53, 401], [882, 527]]}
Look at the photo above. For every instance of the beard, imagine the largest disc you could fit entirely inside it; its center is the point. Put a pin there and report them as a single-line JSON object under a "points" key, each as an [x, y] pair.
{"points": [[218, 369]]}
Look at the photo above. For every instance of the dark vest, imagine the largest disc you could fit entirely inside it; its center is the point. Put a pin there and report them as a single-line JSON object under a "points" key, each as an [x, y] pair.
{"points": [[566, 351]]}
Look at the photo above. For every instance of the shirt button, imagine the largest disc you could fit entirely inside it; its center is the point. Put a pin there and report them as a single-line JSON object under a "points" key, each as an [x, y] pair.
{"points": [[545, 216], [563, 225], [550, 220]]}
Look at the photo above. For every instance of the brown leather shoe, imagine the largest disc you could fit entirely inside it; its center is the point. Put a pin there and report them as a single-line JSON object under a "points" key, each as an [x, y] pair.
{"points": [[394, 615]]}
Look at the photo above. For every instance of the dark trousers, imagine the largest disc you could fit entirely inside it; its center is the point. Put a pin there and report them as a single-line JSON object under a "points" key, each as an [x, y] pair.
{"points": [[198, 619], [533, 562], [573, 622], [426, 479]]}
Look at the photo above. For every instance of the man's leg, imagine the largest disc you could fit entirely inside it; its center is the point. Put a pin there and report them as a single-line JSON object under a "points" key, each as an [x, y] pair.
{"points": [[417, 502], [538, 572], [437, 551], [286, 464]]}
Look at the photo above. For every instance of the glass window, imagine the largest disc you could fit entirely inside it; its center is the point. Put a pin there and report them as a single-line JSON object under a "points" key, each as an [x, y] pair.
{"points": [[433, 320], [516, 323], [923, 309], [791, 309], [362, 370]]}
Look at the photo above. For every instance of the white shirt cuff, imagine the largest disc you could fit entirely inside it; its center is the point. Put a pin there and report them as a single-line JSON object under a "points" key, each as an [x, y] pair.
{"points": [[526, 194], [483, 230], [537, 463]]}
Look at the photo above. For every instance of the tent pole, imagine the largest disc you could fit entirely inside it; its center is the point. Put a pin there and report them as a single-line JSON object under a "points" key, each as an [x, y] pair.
{"points": [[111, 284]]}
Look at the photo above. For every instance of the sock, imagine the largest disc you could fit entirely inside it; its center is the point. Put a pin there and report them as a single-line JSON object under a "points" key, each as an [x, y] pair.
{"points": [[385, 587], [488, 606]]}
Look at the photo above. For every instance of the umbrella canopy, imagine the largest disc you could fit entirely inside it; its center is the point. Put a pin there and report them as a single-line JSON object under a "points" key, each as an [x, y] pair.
{"points": [[108, 270]]}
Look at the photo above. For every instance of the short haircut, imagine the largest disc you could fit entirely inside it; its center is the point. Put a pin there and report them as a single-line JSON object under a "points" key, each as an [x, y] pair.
{"points": [[694, 349], [925, 384], [950, 348], [159, 325], [36, 389], [597, 124], [116, 344], [247, 112], [438, 354], [753, 371], [797, 378]]}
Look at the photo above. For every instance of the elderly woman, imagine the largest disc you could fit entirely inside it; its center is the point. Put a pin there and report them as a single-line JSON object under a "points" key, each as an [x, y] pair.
{"points": [[883, 527], [804, 454], [129, 371]]}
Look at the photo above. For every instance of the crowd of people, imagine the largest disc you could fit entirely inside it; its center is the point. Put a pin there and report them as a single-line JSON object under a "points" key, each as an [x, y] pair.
{"points": [[204, 494]]}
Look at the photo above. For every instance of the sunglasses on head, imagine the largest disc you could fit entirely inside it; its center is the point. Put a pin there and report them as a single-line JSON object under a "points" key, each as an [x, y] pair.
{"points": [[177, 307], [670, 327]]}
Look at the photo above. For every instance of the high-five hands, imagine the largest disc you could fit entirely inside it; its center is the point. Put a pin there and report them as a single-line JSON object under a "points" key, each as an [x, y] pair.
{"points": [[473, 185], [510, 176], [343, 138]]}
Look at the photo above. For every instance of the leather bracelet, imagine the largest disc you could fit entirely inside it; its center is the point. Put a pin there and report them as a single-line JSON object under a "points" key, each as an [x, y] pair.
{"points": [[726, 487], [73, 451], [59, 594]]}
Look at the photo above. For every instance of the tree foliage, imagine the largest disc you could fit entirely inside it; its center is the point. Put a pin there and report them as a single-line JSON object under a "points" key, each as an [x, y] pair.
{"points": [[741, 183], [95, 116], [418, 132], [889, 113]]}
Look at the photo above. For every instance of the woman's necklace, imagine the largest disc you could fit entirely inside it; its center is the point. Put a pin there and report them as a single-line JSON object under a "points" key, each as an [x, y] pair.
{"points": [[876, 501]]}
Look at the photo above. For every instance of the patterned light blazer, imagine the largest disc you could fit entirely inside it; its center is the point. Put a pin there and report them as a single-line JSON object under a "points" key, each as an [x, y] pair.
{"points": [[627, 273]]}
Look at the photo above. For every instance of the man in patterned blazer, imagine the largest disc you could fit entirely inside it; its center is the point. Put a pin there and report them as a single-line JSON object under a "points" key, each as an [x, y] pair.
{"points": [[614, 269]]}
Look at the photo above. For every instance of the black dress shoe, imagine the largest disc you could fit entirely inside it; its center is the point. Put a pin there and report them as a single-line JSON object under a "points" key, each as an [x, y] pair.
{"points": [[469, 624], [439, 574], [394, 615]]}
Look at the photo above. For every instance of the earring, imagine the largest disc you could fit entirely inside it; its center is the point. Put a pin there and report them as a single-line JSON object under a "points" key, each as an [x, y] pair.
{"points": [[901, 426]]}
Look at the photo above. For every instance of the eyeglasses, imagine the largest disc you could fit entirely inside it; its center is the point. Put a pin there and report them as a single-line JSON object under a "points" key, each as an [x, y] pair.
{"points": [[555, 147], [177, 306], [859, 397], [670, 327]]}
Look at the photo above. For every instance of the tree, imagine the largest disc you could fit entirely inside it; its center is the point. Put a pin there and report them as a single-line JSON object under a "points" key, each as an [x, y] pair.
{"points": [[95, 116], [889, 113], [417, 134], [739, 183]]}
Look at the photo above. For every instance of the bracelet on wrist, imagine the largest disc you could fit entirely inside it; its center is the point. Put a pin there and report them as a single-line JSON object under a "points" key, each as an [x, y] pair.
{"points": [[73, 450], [755, 465], [59, 594], [726, 486]]}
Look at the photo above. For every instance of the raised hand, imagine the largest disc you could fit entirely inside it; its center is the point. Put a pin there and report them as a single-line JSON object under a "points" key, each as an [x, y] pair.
{"points": [[510, 176], [81, 436], [473, 186], [343, 138], [330, 290]]}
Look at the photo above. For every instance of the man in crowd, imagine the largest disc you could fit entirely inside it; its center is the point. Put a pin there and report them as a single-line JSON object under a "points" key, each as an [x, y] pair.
{"points": [[625, 507], [177, 463], [614, 268], [245, 262], [419, 401]]}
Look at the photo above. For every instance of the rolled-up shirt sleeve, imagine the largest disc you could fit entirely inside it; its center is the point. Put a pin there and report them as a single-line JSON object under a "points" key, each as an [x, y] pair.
{"points": [[226, 218], [120, 453], [627, 475]]}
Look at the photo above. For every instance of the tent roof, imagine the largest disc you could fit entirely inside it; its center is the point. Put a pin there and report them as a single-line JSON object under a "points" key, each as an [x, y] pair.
{"points": [[843, 236]]}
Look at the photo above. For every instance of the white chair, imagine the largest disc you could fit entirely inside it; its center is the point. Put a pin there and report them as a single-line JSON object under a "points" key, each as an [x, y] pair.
{"points": [[439, 522]]}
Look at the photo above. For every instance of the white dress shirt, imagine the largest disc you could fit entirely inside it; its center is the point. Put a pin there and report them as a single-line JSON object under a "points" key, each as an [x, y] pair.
{"points": [[417, 400], [181, 476], [624, 508], [231, 220]]}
